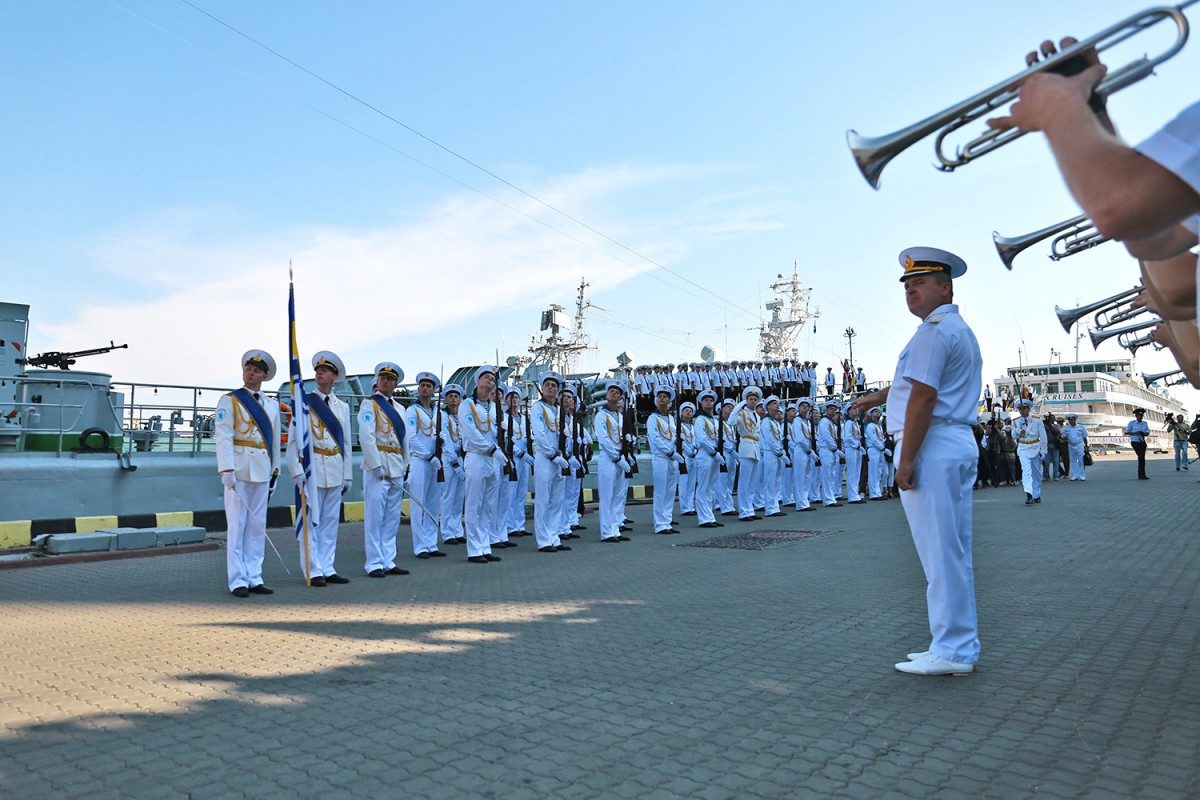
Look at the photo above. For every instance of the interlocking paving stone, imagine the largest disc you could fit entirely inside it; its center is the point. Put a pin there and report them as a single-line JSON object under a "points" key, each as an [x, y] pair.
{"points": [[644, 670]]}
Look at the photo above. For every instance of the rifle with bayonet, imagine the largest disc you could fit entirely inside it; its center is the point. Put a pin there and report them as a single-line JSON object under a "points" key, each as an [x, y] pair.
{"points": [[679, 439], [504, 442], [562, 436], [437, 440], [787, 453]]}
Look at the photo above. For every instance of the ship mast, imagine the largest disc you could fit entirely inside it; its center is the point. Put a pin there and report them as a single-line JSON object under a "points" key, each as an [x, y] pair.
{"points": [[560, 348], [789, 312]]}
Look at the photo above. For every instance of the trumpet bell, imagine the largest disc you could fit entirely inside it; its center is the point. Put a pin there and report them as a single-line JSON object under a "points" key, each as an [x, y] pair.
{"points": [[1097, 335], [1069, 316]]}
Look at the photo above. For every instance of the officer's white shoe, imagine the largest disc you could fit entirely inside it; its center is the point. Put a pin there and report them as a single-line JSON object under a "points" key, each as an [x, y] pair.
{"points": [[915, 656], [929, 664]]}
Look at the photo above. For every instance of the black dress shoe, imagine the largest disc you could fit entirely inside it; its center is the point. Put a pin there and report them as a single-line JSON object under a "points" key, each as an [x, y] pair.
{"points": [[335, 578], [688, 514], [316, 580], [709, 525], [376, 573], [491, 557], [422, 555], [240, 591], [562, 547], [477, 559], [435, 554], [623, 538], [627, 522], [624, 528], [1037, 499], [810, 508], [579, 527], [778, 514], [834, 505], [719, 524], [262, 588], [857, 502], [756, 516], [729, 513], [747, 519], [397, 571], [548, 549], [610, 540]]}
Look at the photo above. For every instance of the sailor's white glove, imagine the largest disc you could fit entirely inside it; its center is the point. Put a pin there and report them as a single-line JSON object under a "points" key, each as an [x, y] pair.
{"points": [[787, 462], [377, 473], [887, 452], [679, 459], [299, 481], [500, 457], [346, 486], [434, 464], [228, 480], [631, 460], [529, 459], [574, 463], [560, 462]]}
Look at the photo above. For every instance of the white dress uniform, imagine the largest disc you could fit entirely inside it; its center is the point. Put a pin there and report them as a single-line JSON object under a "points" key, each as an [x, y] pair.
{"points": [[944, 355], [875, 460], [660, 435], [572, 483], [547, 472], [453, 499], [508, 483], [853, 447], [515, 515], [253, 458], [332, 473], [687, 483], [770, 440], [706, 464], [787, 475], [610, 477], [484, 461], [421, 428], [801, 442], [384, 466], [1076, 437], [725, 479], [831, 467], [816, 478], [1030, 434], [745, 423]]}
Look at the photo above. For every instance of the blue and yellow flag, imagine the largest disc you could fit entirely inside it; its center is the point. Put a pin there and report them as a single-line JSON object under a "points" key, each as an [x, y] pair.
{"points": [[306, 502]]}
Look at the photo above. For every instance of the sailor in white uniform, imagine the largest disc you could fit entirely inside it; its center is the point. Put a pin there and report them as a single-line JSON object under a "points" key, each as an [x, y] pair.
{"points": [[247, 435], [382, 435], [801, 444], [687, 479], [787, 484], [514, 517], [612, 464], [853, 447], [660, 435], [816, 477], [477, 421], [1030, 434], [568, 515], [770, 441], [548, 467], [332, 470], [875, 460], [745, 424], [707, 460], [421, 427], [931, 408], [510, 477], [728, 451], [831, 456], [1076, 437], [453, 499]]}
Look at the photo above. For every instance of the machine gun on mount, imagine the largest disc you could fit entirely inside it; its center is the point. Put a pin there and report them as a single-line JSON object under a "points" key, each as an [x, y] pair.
{"points": [[56, 359]]}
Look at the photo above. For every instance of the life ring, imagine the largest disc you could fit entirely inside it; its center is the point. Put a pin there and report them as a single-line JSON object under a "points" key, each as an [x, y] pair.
{"points": [[86, 436]]}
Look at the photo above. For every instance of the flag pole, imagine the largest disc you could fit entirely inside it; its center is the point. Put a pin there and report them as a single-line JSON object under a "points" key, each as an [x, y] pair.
{"points": [[297, 400]]}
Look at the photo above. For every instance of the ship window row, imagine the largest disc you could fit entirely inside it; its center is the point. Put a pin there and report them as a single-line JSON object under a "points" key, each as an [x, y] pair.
{"points": [[1088, 385], [1075, 369]]}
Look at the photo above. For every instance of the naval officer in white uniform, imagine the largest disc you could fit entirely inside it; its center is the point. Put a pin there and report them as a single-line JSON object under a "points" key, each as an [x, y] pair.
{"points": [[931, 407], [247, 434], [1030, 434], [382, 435], [332, 470], [1077, 440]]}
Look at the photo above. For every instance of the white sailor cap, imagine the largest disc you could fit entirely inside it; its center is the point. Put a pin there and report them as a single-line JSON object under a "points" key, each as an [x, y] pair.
{"points": [[390, 370], [453, 388], [749, 390], [689, 405], [1072, 415], [706, 393], [511, 390], [925, 260], [804, 402], [261, 359], [728, 401], [614, 385], [833, 404], [327, 358], [771, 399], [1024, 402], [567, 388], [485, 369], [663, 388], [874, 410], [551, 376], [430, 377], [502, 389]]}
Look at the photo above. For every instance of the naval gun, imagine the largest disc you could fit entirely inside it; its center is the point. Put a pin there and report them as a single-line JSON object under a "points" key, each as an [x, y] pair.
{"points": [[56, 359]]}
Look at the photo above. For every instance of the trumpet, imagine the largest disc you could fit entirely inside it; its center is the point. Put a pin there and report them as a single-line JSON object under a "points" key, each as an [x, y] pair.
{"points": [[1069, 316], [1150, 379], [1074, 236], [1098, 335], [1134, 345], [872, 153]]}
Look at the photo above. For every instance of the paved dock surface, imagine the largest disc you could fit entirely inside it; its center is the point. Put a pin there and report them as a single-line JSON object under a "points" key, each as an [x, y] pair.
{"points": [[646, 669]]}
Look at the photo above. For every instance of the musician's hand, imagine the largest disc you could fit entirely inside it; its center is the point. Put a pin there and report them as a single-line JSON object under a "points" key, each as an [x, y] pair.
{"points": [[1043, 96], [906, 476]]}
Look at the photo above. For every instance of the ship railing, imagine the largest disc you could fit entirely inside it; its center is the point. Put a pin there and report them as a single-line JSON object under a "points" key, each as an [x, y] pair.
{"points": [[23, 418]]}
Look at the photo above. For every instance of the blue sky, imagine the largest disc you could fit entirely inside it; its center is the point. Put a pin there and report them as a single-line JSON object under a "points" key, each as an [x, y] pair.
{"points": [[161, 171]]}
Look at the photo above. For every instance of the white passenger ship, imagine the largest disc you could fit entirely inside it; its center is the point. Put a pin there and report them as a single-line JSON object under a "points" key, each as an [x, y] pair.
{"points": [[1103, 393]]}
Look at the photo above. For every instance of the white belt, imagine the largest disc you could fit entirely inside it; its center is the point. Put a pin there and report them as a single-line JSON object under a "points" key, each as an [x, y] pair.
{"points": [[936, 422]]}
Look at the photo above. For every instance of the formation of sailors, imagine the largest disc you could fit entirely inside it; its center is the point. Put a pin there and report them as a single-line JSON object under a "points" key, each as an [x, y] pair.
{"points": [[726, 379]]}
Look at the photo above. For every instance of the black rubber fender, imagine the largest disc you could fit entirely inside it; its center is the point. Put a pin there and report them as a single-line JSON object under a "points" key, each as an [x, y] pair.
{"points": [[85, 440]]}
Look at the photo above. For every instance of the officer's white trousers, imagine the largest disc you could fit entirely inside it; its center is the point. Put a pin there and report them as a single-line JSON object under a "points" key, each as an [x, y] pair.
{"points": [[322, 533], [1031, 473], [422, 482], [787, 479], [815, 478], [569, 511], [666, 477], [246, 532], [875, 465], [854, 459], [610, 482], [547, 501], [506, 489], [939, 515], [706, 486], [687, 487], [382, 503], [748, 481], [453, 497], [1075, 451], [772, 474], [482, 496], [725, 481], [831, 477], [800, 477], [515, 520]]}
